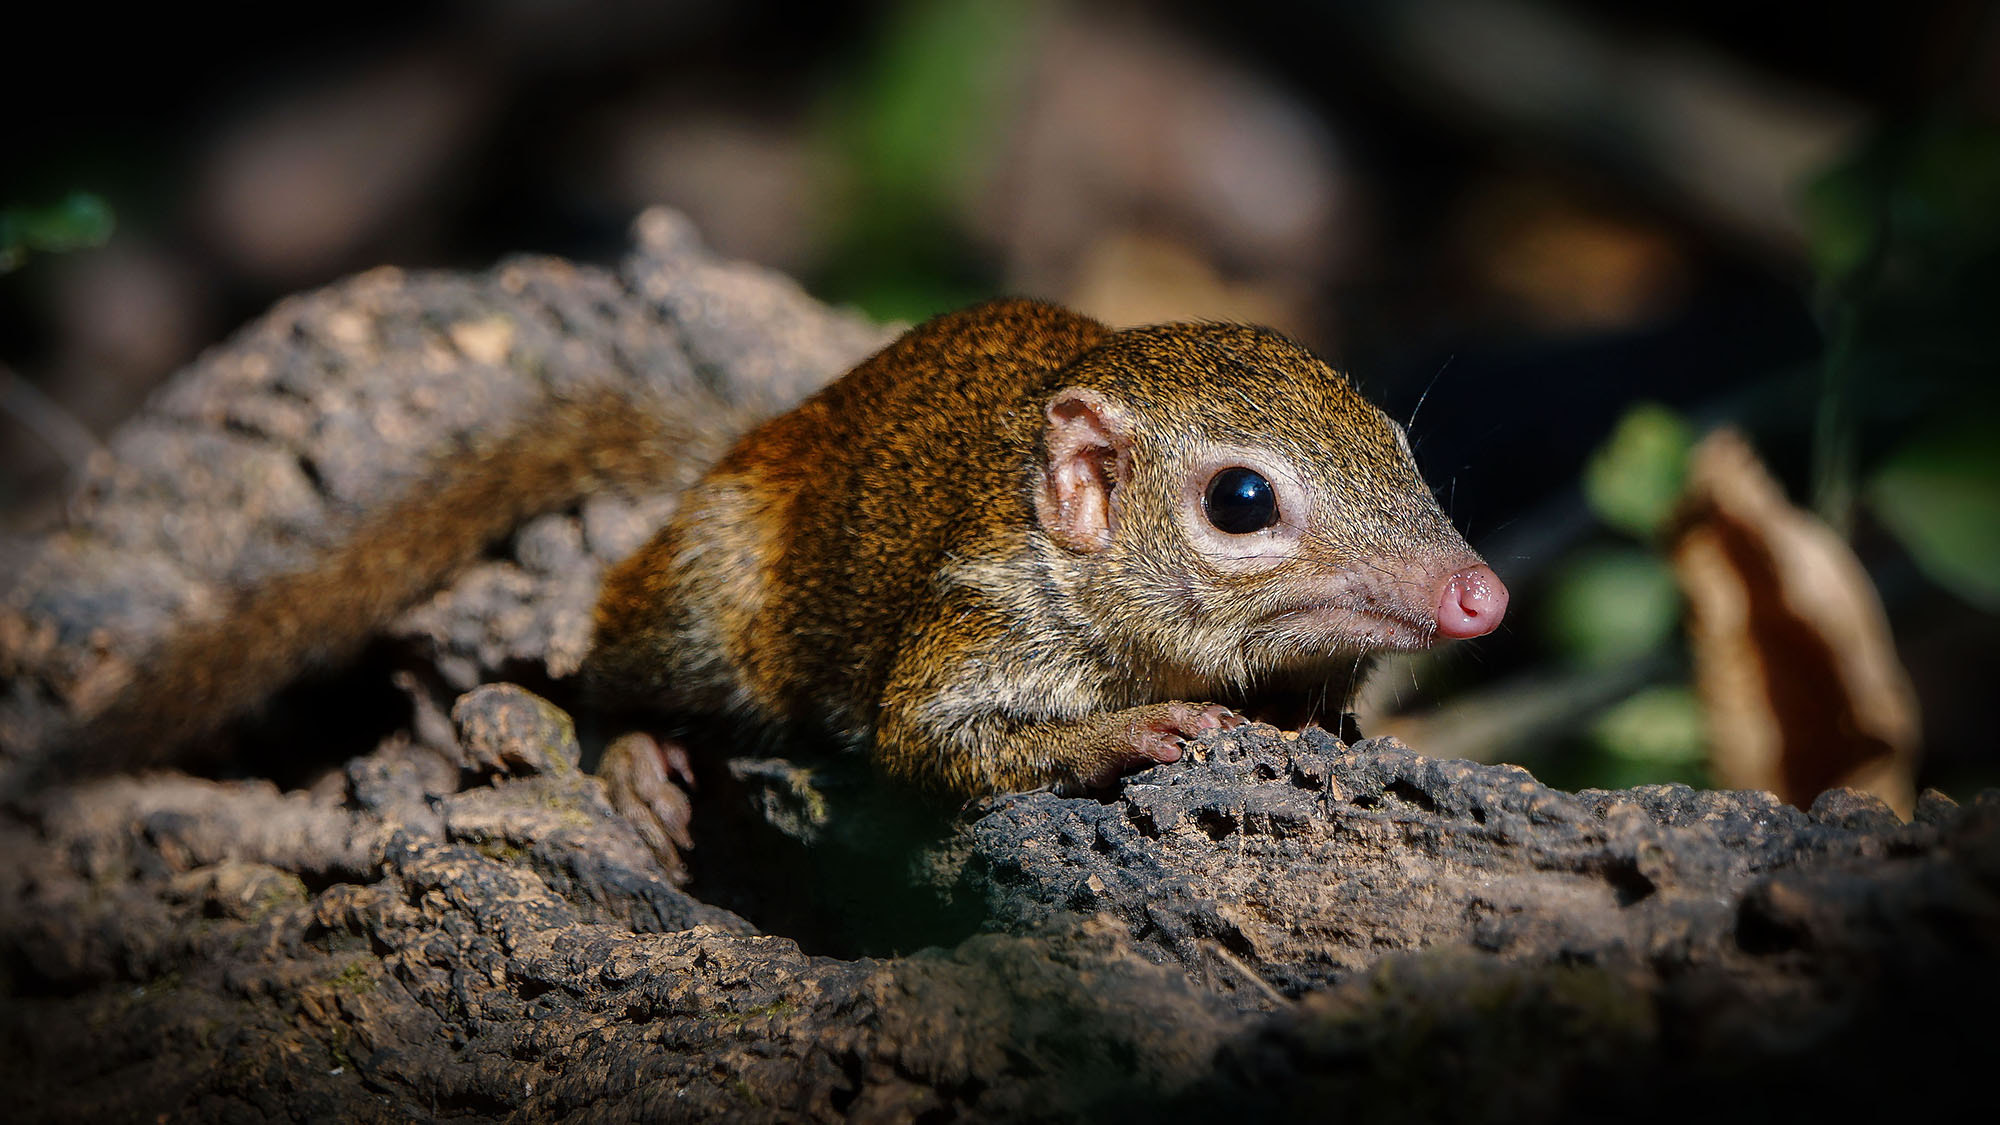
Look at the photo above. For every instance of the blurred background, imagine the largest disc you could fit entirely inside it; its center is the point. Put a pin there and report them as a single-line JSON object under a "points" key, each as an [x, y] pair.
{"points": [[1579, 234]]}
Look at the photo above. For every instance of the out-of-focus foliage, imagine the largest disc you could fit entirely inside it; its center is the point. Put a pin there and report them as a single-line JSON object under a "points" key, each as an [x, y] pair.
{"points": [[1906, 246], [1655, 735], [909, 132], [78, 221], [1940, 495], [1610, 604], [1907, 238], [1632, 480], [1919, 199]]}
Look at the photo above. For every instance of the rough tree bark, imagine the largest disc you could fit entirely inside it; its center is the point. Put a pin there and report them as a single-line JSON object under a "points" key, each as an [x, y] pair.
{"points": [[454, 924]]}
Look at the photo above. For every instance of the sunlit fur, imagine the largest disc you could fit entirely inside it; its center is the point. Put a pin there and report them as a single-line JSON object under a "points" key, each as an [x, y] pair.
{"points": [[1362, 574], [877, 569], [912, 603]]}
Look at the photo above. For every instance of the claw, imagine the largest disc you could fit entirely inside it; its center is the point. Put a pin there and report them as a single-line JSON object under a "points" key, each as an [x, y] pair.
{"points": [[635, 772]]}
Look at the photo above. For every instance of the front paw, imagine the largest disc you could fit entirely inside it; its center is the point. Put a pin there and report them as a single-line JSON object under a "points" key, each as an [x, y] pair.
{"points": [[1159, 734], [639, 774]]}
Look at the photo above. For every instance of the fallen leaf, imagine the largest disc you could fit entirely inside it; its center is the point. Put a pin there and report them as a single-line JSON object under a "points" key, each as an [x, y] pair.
{"points": [[1794, 661]]}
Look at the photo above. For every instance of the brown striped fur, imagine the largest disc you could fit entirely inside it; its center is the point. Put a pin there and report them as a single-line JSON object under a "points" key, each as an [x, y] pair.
{"points": [[216, 670], [872, 570], [904, 565]]}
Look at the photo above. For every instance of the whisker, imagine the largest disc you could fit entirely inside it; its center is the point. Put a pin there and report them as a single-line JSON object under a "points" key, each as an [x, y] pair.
{"points": [[1414, 411]]}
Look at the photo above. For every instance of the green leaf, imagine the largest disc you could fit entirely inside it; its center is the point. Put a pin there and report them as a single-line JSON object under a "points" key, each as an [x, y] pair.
{"points": [[1661, 725], [1949, 194], [1940, 496], [1842, 209], [80, 220], [923, 119], [1634, 478], [910, 131], [1610, 605], [1924, 195]]}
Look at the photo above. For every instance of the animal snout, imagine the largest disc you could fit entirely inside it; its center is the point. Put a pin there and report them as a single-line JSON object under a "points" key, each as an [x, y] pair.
{"points": [[1471, 602]]}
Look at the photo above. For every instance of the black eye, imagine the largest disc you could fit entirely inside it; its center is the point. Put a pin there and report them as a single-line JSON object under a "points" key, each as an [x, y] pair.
{"points": [[1240, 501]]}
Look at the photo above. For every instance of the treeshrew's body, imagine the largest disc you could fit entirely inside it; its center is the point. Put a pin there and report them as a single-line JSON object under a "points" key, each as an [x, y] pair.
{"points": [[1013, 549], [891, 566]]}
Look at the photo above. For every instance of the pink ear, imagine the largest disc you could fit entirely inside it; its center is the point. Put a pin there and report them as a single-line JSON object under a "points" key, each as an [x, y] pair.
{"points": [[1089, 463]]}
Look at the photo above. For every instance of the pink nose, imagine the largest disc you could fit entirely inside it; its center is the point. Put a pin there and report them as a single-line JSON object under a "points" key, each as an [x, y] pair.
{"points": [[1471, 603]]}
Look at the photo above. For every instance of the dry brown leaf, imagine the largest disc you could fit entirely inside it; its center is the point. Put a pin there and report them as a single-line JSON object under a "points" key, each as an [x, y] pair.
{"points": [[1793, 657]]}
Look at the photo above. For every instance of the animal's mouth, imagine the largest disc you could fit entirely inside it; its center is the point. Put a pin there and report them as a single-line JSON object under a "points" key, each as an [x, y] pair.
{"points": [[1349, 627], [1397, 607]]}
